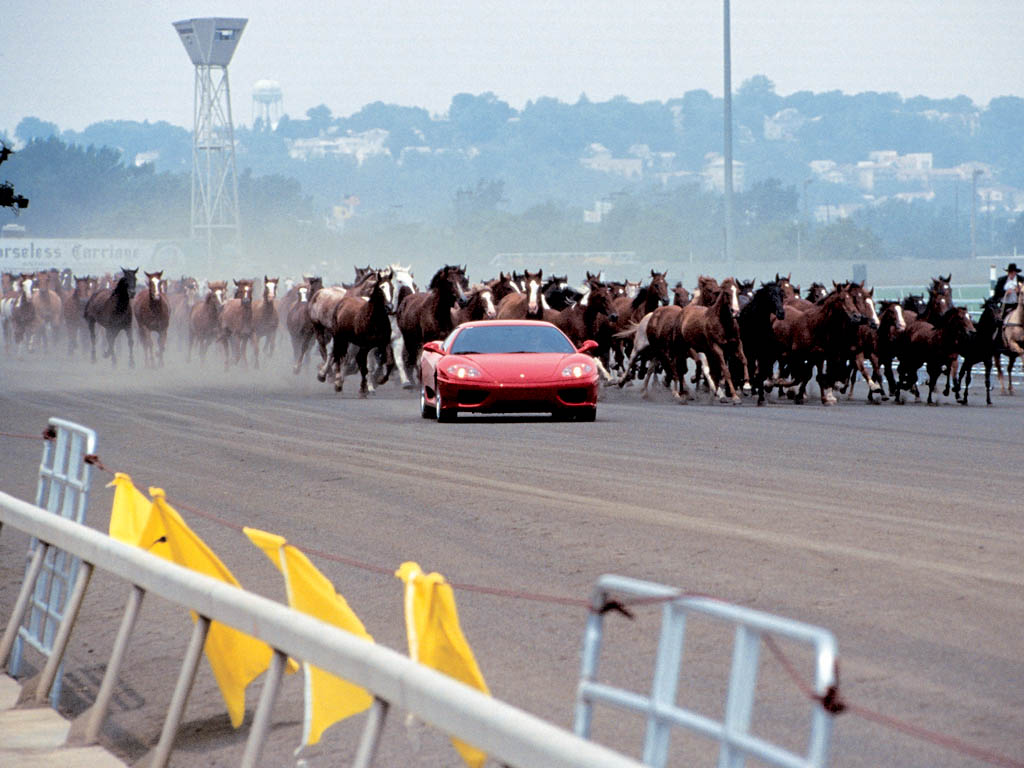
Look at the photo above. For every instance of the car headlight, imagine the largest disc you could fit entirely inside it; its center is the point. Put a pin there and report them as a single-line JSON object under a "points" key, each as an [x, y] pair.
{"points": [[577, 370], [463, 371]]}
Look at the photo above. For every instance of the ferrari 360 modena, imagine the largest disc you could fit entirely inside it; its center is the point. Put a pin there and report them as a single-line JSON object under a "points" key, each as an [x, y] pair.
{"points": [[508, 366]]}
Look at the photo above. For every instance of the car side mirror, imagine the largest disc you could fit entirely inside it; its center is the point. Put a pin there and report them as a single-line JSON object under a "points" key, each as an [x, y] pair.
{"points": [[587, 346], [433, 346]]}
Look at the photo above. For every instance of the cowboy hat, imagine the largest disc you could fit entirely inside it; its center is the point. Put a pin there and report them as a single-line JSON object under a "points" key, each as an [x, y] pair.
{"points": [[1012, 267]]}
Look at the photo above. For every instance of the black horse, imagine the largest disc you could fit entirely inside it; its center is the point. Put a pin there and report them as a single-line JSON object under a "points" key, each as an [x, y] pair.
{"points": [[112, 308], [757, 336], [982, 348]]}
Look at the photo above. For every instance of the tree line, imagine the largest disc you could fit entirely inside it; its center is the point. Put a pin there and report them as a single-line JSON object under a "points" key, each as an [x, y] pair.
{"points": [[487, 178]]}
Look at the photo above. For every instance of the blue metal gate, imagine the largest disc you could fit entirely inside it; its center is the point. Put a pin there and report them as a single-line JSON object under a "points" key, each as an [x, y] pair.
{"points": [[660, 709], [64, 482]]}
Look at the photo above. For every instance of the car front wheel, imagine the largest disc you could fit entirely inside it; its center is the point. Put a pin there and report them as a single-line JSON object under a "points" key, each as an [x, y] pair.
{"points": [[443, 414], [425, 410]]}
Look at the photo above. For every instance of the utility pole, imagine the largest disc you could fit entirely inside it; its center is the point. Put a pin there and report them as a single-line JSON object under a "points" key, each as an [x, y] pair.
{"points": [[974, 211], [727, 168]]}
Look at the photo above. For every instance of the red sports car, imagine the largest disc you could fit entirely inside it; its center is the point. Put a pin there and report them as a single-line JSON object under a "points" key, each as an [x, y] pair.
{"points": [[508, 366]]}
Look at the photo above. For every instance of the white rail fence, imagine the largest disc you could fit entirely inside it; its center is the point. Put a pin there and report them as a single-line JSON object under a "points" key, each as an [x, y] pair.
{"points": [[509, 735]]}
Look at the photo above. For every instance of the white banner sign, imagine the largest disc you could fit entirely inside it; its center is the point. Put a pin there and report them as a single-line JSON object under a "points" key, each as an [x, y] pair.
{"points": [[88, 257]]}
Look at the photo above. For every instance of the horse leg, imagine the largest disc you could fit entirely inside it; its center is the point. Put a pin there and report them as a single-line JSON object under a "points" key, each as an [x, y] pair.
{"points": [[988, 381], [339, 352], [161, 343], [255, 351], [951, 374], [965, 373], [365, 387]]}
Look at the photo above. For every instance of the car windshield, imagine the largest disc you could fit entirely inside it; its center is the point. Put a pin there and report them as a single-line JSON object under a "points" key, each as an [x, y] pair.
{"points": [[496, 339]]}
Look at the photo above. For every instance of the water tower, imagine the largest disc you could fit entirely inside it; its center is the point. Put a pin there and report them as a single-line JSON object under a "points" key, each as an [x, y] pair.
{"points": [[267, 104], [210, 44]]}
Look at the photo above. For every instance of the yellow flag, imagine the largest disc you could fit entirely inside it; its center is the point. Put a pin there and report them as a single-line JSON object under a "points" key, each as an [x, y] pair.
{"points": [[132, 519], [329, 699], [235, 657], [436, 639]]}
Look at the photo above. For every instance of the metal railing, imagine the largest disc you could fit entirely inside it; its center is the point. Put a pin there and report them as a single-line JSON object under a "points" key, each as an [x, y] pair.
{"points": [[64, 483], [660, 709], [509, 735]]}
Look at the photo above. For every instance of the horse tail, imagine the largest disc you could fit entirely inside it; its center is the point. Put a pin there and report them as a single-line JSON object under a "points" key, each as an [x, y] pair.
{"points": [[627, 332]]}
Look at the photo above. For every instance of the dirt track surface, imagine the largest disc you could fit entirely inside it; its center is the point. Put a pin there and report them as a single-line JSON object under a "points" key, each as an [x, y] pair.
{"points": [[897, 528]]}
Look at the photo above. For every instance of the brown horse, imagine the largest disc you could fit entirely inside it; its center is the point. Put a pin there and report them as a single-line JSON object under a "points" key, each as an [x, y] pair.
{"points": [[264, 316], [181, 302], [427, 316], [657, 338], [19, 314], [1012, 345], [204, 319], [630, 311], [236, 327], [528, 305], [111, 308], [298, 322], [152, 315], [74, 311], [680, 296], [936, 347], [48, 306], [502, 286], [707, 291], [817, 338], [364, 323], [479, 306], [584, 320], [713, 332], [322, 306]]}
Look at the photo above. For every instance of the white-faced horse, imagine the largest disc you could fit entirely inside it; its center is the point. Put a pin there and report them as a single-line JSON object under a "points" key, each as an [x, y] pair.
{"points": [[403, 284]]}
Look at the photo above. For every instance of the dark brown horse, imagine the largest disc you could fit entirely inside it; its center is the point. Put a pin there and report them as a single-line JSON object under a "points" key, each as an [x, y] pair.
{"points": [[982, 348], [427, 316], [204, 319], [363, 323], [479, 306], [152, 315], [584, 320], [936, 347], [502, 286], [236, 327], [111, 308]]}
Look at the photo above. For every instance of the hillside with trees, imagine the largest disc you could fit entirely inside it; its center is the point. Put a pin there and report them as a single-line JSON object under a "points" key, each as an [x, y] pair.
{"points": [[486, 178]]}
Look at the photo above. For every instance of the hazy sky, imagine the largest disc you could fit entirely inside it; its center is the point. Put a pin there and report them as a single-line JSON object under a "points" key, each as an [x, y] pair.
{"points": [[75, 63]]}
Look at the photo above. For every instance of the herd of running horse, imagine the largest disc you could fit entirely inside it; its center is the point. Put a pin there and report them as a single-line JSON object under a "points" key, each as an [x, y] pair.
{"points": [[739, 336]]}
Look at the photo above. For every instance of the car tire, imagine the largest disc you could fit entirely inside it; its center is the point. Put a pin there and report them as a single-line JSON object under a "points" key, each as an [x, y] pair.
{"points": [[586, 414], [426, 411], [443, 415]]}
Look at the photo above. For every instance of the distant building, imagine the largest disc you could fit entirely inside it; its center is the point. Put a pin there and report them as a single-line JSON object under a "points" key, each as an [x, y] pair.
{"points": [[714, 173], [357, 145], [598, 158]]}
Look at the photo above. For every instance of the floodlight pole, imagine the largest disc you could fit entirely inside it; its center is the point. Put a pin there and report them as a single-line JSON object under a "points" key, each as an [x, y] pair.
{"points": [[210, 44], [727, 166]]}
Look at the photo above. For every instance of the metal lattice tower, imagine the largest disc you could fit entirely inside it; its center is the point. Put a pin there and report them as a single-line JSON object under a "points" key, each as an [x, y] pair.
{"points": [[210, 44]]}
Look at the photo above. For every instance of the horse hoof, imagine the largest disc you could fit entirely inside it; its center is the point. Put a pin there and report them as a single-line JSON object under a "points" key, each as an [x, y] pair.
{"points": [[408, 385], [321, 377]]}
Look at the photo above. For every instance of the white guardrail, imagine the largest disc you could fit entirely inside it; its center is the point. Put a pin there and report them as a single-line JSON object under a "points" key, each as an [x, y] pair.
{"points": [[509, 735]]}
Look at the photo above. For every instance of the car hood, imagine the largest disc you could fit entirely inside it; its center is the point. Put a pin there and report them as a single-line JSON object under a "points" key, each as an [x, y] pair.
{"points": [[528, 366]]}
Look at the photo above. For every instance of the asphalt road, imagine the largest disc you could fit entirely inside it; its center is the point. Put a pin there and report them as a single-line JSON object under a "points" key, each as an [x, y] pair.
{"points": [[897, 528]]}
